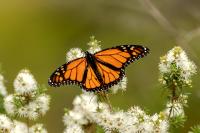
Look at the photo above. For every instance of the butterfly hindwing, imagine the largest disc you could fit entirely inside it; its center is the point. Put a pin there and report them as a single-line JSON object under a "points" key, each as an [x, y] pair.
{"points": [[91, 82]]}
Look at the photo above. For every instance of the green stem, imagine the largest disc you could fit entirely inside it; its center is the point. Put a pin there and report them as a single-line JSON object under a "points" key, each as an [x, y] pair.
{"points": [[173, 98], [27, 121]]}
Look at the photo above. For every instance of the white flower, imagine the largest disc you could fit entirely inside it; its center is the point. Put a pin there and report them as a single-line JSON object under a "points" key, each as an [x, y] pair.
{"points": [[120, 121], [122, 85], [43, 103], [19, 127], [78, 116], [88, 102], [23, 111], [170, 56], [94, 45], [9, 104], [136, 111], [164, 66], [164, 126], [84, 106], [134, 120], [74, 129], [177, 57], [68, 120], [146, 127], [155, 117], [33, 110], [74, 53], [174, 109], [25, 82], [38, 128], [103, 107], [3, 91], [6, 124]]}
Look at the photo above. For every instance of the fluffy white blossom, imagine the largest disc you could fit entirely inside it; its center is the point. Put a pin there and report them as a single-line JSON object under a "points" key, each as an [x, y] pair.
{"points": [[28, 100], [23, 111], [3, 91], [177, 61], [19, 127], [32, 110], [6, 125], [38, 128], [74, 129], [84, 106], [43, 102], [74, 53], [87, 109], [88, 101], [174, 109], [122, 85], [25, 82], [9, 104], [164, 126], [94, 45]]}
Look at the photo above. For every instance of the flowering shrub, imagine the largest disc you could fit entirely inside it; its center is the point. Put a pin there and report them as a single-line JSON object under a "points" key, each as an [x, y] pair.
{"points": [[93, 112], [89, 111]]}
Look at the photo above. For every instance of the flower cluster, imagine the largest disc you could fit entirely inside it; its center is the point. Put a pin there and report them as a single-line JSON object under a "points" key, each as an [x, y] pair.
{"points": [[88, 110], [29, 100], [176, 108], [74, 53], [176, 69], [37, 128], [94, 45], [84, 105], [12, 126]]}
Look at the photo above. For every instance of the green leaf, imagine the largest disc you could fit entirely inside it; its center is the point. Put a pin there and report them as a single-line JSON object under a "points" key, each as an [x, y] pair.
{"points": [[195, 129], [99, 129], [176, 122]]}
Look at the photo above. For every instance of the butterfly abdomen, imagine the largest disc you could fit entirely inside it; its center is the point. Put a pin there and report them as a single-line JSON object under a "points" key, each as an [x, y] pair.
{"points": [[92, 62]]}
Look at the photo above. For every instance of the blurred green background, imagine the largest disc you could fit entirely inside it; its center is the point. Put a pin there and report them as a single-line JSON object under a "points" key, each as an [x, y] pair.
{"points": [[37, 34]]}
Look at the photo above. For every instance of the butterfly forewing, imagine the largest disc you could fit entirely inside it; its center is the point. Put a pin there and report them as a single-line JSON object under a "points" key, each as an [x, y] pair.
{"points": [[71, 72], [121, 56]]}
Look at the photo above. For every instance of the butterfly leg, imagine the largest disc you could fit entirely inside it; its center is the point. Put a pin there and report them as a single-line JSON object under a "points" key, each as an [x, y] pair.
{"points": [[104, 96]]}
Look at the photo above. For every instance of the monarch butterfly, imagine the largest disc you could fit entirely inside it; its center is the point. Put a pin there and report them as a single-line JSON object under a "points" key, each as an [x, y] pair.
{"points": [[99, 71]]}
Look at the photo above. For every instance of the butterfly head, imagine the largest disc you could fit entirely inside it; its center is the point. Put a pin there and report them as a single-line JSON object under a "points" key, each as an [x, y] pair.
{"points": [[87, 53]]}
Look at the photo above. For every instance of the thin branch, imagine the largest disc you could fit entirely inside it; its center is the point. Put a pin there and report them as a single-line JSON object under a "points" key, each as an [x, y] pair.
{"points": [[189, 36], [158, 16], [181, 38]]}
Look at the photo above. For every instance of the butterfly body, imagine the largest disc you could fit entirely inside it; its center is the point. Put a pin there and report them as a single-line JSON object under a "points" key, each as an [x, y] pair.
{"points": [[91, 61], [99, 71]]}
